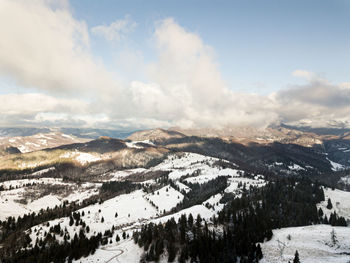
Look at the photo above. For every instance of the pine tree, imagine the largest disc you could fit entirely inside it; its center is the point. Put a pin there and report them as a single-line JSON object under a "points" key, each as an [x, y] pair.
{"points": [[296, 257], [259, 253], [71, 221], [190, 220], [320, 212], [329, 204]]}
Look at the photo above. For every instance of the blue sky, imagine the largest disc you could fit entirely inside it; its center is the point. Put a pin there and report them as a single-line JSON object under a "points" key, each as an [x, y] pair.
{"points": [[257, 43], [145, 64]]}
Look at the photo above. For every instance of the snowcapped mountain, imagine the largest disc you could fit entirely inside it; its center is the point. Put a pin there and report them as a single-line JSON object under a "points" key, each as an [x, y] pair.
{"points": [[39, 141], [160, 194]]}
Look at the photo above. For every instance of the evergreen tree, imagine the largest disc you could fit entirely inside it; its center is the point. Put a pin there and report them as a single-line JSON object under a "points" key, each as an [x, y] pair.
{"points": [[329, 204], [296, 257]]}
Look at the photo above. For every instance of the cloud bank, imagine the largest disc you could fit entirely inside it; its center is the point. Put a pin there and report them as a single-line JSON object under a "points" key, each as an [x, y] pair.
{"points": [[43, 47]]}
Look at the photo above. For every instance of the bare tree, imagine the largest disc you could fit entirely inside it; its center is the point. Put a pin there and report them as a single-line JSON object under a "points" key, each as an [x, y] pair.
{"points": [[281, 247]]}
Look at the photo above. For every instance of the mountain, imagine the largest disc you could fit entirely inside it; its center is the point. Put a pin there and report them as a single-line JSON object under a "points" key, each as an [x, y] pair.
{"points": [[155, 135], [38, 141], [165, 195], [88, 133]]}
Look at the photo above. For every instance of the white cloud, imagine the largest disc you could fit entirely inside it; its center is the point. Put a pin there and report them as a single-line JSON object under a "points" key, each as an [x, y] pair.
{"points": [[46, 48], [303, 74], [117, 30], [187, 87], [33, 103]]}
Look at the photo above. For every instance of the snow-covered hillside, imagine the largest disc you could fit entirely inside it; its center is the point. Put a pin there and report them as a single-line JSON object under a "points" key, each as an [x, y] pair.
{"points": [[340, 202], [199, 168], [314, 245], [182, 184], [25, 196], [165, 198], [40, 141]]}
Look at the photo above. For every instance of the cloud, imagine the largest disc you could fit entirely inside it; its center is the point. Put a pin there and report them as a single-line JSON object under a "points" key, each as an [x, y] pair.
{"points": [[43, 47], [46, 48], [30, 108], [117, 30], [318, 102], [303, 74], [187, 88], [32, 103]]}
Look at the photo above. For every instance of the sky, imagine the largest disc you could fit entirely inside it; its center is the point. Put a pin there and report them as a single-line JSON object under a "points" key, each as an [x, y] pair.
{"points": [[146, 64]]}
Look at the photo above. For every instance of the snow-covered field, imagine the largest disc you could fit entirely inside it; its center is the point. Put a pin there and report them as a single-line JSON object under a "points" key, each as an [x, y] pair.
{"points": [[40, 141], [314, 245], [118, 175], [201, 168], [81, 157], [165, 198], [237, 183], [340, 201], [30, 195], [133, 144], [126, 209]]}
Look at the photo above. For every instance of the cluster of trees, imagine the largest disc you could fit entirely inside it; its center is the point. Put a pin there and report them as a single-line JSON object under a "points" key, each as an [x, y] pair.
{"points": [[246, 221], [2, 188], [191, 240], [202, 192], [47, 248], [12, 229], [119, 187], [50, 250]]}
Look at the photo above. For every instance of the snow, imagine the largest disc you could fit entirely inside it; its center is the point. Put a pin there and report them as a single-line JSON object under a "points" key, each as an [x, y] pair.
{"points": [[23, 149], [336, 166], [138, 208], [194, 210], [10, 207], [190, 163], [340, 201], [24, 182], [183, 187], [81, 157], [133, 144], [123, 251], [214, 202], [43, 171], [67, 136], [210, 173], [234, 182], [84, 158], [295, 167], [345, 180], [165, 198], [117, 175], [186, 159], [312, 242], [131, 208], [9, 199]]}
